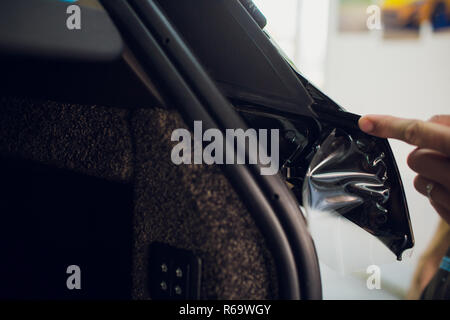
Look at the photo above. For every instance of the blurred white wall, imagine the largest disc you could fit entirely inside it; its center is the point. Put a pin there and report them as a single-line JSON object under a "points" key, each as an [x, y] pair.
{"points": [[402, 77], [368, 74]]}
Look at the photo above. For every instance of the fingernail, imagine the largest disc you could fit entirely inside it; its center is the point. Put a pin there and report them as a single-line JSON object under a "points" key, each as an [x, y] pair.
{"points": [[366, 125]]}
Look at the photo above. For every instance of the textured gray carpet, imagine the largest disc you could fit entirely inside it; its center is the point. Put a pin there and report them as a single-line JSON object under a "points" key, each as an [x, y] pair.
{"points": [[87, 139], [191, 207]]}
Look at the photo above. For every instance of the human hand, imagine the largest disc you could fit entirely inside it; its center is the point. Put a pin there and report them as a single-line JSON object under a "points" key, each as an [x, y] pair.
{"points": [[431, 159]]}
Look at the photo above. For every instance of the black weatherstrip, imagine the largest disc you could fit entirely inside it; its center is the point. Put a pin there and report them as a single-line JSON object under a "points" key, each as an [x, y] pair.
{"points": [[164, 54]]}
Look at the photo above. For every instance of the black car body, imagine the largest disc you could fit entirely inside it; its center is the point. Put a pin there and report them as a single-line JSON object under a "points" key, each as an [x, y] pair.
{"points": [[86, 117]]}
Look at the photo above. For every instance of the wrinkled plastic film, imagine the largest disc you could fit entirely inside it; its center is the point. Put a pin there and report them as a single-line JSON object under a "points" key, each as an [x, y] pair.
{"points": [[349, 187], [345, 195]]}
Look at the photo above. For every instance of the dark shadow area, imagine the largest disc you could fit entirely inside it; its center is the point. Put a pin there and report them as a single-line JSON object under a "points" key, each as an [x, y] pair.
{"points": [[51, 219]]}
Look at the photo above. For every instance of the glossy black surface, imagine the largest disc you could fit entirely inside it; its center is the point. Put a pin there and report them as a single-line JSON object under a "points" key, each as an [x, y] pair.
{"points": [[341, 170]]}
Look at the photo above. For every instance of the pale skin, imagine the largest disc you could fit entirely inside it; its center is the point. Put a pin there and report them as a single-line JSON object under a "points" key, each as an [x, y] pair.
{"points": [[430, 260], [430, 160]]}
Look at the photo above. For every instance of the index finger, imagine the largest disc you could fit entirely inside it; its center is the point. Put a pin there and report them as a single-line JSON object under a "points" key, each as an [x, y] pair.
{"points": [[416, 132], [443, 119]]}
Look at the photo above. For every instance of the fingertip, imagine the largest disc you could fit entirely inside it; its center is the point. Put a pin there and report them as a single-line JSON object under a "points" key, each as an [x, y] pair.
{"points": [[443, 119], [366, 125]]}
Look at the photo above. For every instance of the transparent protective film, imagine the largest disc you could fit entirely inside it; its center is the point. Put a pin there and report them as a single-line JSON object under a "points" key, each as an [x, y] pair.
{"points": [[347, 196]]}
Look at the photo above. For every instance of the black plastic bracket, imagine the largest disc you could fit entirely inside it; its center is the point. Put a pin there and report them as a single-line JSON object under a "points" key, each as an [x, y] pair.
{"points": [[175, 274]]}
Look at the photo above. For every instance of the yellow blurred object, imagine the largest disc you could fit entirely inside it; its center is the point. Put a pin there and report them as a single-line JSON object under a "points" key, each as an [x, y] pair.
{"points": [[411, 13], [431, 8], [402, 13], [390, 4]]}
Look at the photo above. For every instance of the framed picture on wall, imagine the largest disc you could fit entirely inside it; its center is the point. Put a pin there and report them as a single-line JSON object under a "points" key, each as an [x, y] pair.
{"points": [[403, 17], [353, 15]]}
